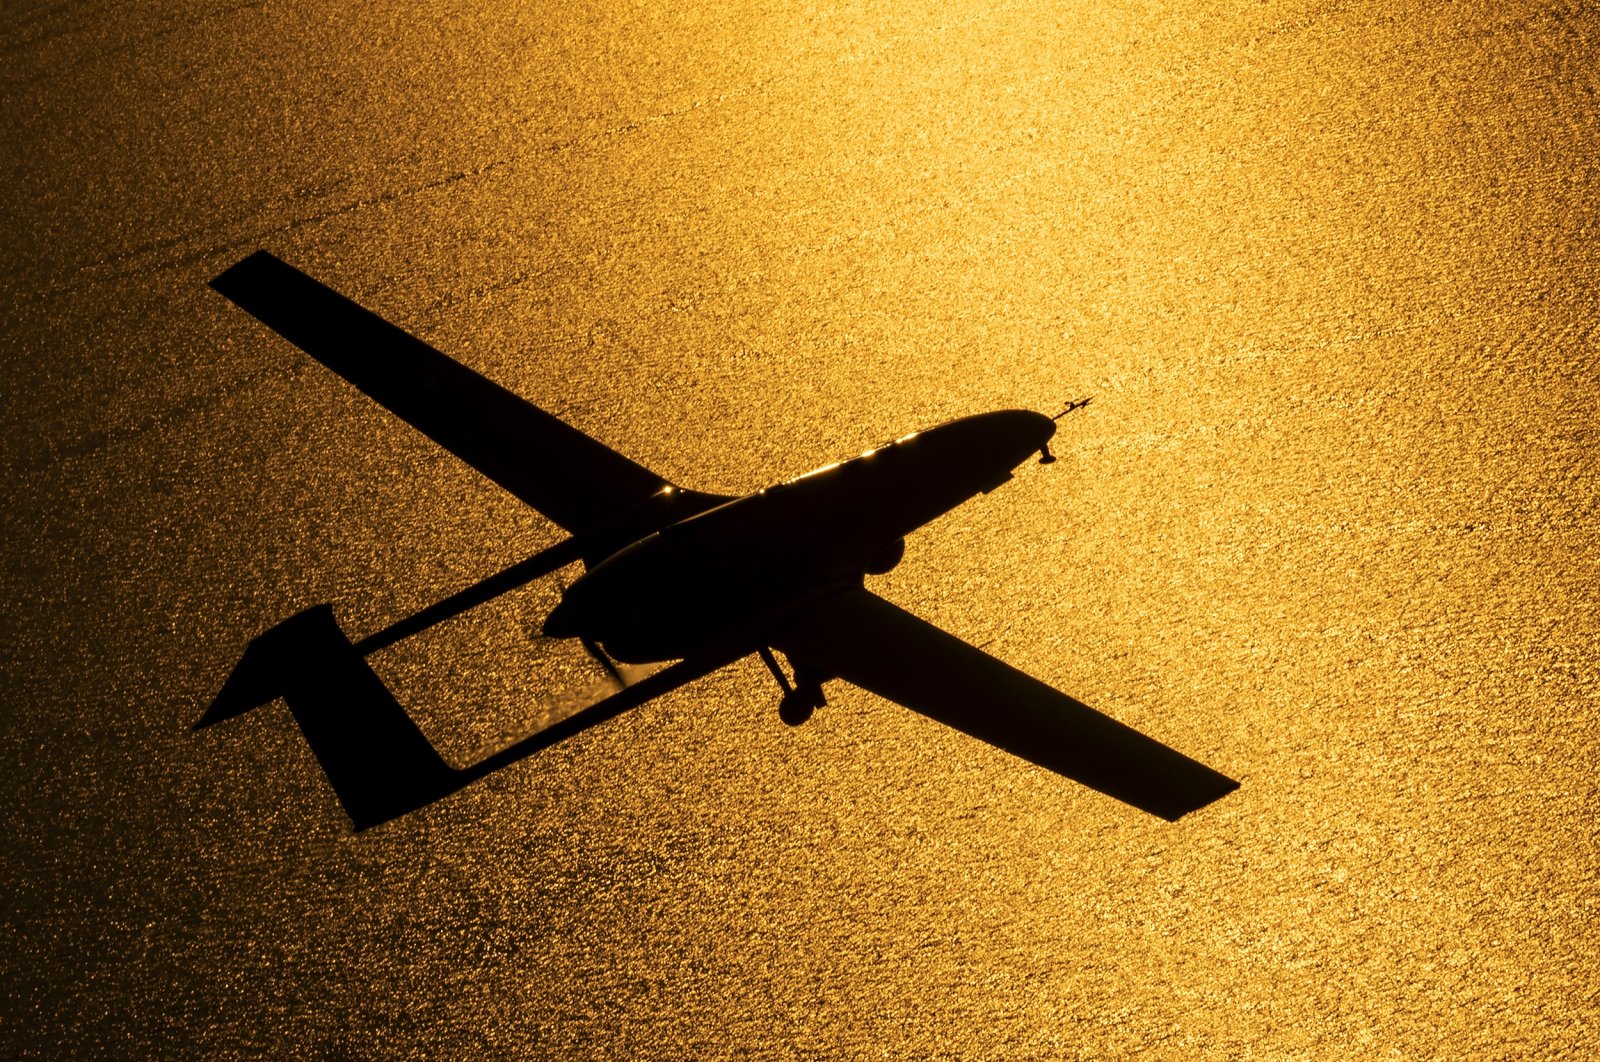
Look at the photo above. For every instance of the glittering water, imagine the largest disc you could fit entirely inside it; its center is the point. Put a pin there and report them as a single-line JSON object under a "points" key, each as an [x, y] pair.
{"points": [[1327, 525]]}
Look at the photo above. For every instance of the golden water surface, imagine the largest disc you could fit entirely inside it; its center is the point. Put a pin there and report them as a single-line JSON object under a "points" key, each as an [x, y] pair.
{"points": [[1329, 524]]}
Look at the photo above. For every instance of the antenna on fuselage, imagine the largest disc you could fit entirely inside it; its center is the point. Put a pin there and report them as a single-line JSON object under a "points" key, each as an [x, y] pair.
{"points": [[1079, 404], [1045, 456]]}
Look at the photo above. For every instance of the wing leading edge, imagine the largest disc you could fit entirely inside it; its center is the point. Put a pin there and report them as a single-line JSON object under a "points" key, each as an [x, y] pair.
{"points": [[865, 640], [569, 477]]}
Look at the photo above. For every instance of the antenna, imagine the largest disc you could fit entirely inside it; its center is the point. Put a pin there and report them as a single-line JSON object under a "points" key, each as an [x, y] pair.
{"points": [[1079, 404]]}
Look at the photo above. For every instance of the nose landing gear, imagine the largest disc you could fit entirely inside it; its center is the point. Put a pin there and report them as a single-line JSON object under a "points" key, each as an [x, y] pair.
{"points": [[803, 697], [796, 706]]}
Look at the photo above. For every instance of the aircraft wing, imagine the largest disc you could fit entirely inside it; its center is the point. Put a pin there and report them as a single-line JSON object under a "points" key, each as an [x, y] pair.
{"points": [[859, 637], [569, 477]]}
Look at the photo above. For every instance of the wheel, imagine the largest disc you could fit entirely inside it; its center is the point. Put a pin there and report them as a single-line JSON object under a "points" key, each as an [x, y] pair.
{"points": [[795, 708]]}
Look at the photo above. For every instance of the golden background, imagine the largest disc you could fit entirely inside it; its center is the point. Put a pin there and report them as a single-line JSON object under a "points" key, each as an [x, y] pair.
{"points": [[1328, 525]]}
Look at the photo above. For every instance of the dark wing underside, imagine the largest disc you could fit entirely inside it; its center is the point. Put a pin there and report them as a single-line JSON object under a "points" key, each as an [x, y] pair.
{"points": [[569, 477], [863, 639]]}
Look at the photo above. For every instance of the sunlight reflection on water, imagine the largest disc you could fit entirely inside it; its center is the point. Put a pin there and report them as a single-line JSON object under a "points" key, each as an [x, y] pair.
{"points": [[1326, 525]]}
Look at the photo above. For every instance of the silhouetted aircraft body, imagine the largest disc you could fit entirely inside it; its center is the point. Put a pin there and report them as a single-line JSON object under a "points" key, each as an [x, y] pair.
{"points": [[674, 574]]}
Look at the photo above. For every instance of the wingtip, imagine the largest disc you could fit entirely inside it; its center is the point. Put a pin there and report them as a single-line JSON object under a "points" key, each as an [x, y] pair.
{"points": [[1222, 788], [230, 281]]}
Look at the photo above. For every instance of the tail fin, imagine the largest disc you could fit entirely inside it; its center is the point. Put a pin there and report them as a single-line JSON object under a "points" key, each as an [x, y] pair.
{"points": [[379, 763]]}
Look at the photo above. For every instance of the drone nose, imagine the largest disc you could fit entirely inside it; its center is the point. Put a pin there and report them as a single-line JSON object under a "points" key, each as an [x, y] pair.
{"points": [[1025, 431]]}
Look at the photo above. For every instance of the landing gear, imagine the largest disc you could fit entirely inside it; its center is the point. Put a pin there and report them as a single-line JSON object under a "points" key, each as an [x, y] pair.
{"points": [[1045, 456], [604, 661], [800, 699], [796, 707]]}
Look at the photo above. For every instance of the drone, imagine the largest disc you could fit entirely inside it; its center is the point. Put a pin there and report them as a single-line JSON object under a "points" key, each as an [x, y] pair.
{"points": [[693, 579]]}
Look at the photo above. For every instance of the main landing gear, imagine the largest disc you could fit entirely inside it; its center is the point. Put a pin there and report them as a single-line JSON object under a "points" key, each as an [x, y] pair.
{"points": [[600, 657], [803, 697]]}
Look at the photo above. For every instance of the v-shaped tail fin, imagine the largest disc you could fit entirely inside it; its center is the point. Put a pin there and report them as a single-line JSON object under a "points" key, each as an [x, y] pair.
{"points": [[380, 764]]}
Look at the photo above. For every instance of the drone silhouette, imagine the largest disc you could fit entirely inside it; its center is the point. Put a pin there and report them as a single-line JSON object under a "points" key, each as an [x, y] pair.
{"points": [[673, 575]]}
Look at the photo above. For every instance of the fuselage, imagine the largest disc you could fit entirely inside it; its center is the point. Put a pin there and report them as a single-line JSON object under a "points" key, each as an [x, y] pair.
{"points": [[736, 568]]}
